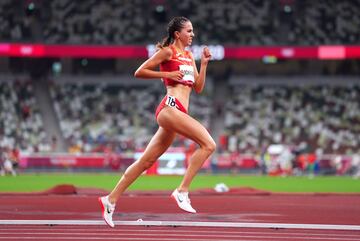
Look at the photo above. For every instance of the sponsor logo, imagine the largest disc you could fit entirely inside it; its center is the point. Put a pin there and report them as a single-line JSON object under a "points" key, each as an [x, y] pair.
{"points": [[180, 198], [185, 59], [188, 72], [108, 210]]}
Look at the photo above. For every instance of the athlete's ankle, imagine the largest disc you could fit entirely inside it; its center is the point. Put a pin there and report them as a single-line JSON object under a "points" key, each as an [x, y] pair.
{"points": [[182, 189], [112, 200]]}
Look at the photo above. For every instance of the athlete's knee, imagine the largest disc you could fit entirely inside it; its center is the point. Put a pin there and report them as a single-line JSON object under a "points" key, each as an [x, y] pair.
{"points": [[140, 165], [209, 145], [148, 164]]}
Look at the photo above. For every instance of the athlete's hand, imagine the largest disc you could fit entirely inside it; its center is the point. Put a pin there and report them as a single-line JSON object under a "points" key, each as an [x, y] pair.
{"points": [[176, 75], [205, 56]]}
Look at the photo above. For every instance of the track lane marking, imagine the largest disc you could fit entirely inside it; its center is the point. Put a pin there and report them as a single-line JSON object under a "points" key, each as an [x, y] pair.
{"points": [[210, 236], [185, 224], [107, 230]]}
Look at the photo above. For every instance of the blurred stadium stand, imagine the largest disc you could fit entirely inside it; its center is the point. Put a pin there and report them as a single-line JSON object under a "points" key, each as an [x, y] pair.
{"points": [[285, 22], [82, 105]]}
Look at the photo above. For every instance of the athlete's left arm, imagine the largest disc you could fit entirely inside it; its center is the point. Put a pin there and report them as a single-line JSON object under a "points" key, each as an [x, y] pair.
{"points": [[200, 77]]}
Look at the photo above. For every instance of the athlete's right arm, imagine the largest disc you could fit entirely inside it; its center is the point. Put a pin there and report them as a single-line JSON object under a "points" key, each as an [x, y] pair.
{"points": [[146, 70]]}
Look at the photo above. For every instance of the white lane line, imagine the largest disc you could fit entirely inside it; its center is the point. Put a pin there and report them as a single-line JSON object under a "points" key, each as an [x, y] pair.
{"points": [[164, 231], [185, 224], [139, 238], [183, 236], [125, 239], [115, 238]]}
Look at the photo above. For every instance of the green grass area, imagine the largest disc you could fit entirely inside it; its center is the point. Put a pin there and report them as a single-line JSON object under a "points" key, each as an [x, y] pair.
{"points": [[40, 182]]}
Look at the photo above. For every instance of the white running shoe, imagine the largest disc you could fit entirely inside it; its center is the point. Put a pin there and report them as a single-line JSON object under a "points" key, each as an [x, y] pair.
{"points": [[107, 210], [183, 201]]}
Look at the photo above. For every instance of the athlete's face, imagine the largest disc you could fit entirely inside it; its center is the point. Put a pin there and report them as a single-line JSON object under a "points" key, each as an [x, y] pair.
{"points": [[186, 34]]}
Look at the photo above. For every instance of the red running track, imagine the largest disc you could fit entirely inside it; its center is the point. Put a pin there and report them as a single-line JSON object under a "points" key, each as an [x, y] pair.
{"points": [[234, 207], [30, 232]]}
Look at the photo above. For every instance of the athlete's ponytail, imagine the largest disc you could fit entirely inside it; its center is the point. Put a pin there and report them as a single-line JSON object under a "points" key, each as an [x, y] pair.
{"points": [[176, 24]]}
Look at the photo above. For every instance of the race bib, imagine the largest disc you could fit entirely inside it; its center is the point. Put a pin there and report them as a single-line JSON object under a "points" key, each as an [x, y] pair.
{"points": [[171, 101], [188, 72]]}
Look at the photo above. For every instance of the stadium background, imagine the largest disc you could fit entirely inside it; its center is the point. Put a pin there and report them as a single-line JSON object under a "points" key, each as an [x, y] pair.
{"points": [[282, 93]]}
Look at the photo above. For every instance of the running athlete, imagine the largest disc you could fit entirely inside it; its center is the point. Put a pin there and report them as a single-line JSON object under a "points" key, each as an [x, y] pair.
{"points": [[179, 73]]}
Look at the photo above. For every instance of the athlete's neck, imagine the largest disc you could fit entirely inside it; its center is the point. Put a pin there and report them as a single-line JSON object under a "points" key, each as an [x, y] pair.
{"points": [[179, 47]]}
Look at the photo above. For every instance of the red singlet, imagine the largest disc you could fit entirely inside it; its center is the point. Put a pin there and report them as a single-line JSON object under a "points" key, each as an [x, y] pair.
{"points": [[182, 62]]}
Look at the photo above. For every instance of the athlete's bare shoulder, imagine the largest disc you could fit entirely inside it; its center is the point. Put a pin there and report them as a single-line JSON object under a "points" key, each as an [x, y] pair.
{"points": [[190, 54], [166, 52]]}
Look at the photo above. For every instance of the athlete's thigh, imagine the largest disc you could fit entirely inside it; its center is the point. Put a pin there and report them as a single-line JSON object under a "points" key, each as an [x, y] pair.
{"points": [[183, 124], [159, 143]]}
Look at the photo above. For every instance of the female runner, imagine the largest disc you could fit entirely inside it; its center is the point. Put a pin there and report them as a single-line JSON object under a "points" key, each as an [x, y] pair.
{"points": [[179, 73]]}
